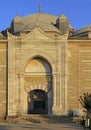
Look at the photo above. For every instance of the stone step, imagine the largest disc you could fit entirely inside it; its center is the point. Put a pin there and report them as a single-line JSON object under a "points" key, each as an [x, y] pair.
{"points": [[36, 118], [46, 118]]}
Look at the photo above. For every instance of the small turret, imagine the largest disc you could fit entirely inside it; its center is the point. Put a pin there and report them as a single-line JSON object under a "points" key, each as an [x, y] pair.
{"points": [[16, 22], [62, 24]]}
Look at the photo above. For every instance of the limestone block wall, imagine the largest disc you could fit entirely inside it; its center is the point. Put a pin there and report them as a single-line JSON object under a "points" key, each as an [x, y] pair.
{"points": [[21, 49], [71, 69], [84, 68], [2, 79], [72, 77], [79, 72]]}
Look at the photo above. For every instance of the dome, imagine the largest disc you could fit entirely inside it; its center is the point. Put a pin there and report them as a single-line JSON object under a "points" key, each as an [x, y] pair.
{"points": [[2, 36], [44, 21], [40, 17], [44, 26], [84, 29]]}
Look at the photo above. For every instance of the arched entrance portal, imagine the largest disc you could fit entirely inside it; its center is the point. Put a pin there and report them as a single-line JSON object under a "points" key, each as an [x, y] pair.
{"points": [[38, 103], [38, 85]]}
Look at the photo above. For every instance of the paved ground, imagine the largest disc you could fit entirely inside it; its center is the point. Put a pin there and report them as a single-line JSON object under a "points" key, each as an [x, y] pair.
{"points": [[36, 126]]}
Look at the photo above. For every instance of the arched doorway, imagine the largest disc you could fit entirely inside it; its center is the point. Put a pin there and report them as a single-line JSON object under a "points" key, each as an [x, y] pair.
{"points": [[38, 83], [37, 103]]}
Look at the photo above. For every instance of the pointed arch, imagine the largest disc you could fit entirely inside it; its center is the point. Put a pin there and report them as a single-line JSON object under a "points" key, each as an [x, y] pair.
{"points": [[43, 56], [38, 76]]}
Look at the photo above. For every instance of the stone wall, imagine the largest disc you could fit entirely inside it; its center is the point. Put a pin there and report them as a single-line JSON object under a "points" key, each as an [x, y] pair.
{"points": [[79, 72], [70, 63], [72, 77], [2, 79], [84, 69], [21, 50]]}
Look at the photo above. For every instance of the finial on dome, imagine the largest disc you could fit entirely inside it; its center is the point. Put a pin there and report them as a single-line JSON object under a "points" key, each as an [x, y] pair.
{"points": [[40, 8], [17, 14]]}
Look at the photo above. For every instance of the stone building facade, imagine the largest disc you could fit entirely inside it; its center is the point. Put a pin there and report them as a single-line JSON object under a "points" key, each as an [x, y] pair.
{"points": [[45, 66], [3, 67]]}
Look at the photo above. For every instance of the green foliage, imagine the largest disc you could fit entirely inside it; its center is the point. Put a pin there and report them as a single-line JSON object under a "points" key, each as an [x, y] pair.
{"points": [[85, 100]]}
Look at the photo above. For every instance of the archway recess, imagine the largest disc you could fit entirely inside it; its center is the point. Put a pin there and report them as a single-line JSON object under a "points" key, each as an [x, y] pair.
{"points": [[39, 103], [38, 79]]}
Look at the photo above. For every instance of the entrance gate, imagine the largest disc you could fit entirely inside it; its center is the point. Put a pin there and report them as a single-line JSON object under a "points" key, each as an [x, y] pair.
{"points": [[38, 84], [39, 103]]}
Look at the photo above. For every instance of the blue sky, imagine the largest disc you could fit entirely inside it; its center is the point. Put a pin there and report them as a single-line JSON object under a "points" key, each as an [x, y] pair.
{"points": [[77, 11]]}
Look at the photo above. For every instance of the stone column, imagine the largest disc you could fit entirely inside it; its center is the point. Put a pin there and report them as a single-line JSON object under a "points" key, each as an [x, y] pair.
{"points": [[56, 110], [54, 93], [20, 94], [63, 79], [25, 98]]}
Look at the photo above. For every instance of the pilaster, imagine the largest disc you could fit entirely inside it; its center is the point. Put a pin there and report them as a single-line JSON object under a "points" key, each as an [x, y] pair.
{"points": [[56, 110]]}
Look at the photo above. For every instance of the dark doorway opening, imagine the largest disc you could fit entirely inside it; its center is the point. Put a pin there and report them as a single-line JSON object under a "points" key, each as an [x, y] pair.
{"points": [[38, 102], [39, 105]]}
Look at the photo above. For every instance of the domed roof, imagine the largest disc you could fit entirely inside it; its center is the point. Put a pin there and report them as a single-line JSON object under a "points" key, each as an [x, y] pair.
{"points": [[84, 29], [44, 21], [44, 26], [2, 36], [40, 17]]}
